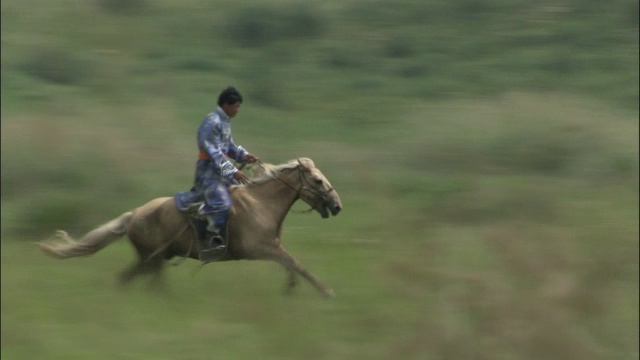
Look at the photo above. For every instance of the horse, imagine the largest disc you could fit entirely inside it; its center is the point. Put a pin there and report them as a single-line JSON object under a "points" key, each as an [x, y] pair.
{"points": [[158, 230]]}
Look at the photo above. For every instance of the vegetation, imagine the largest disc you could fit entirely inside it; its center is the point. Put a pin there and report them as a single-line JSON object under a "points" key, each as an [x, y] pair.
{"points": [[486, 152]]}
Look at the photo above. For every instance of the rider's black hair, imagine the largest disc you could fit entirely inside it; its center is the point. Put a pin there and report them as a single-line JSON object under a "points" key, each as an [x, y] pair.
{"points": [[229, 95]]}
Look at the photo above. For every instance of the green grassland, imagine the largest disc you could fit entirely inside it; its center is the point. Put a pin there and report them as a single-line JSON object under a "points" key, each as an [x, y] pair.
{"points": [[486, 153]]}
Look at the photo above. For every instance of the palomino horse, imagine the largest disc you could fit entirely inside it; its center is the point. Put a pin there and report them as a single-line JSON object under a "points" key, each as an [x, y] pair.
{"points": [[158, 231]]}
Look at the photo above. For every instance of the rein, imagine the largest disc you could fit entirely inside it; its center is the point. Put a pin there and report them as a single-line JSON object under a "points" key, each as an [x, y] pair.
{"points": [[306, 185], [298, 195]]}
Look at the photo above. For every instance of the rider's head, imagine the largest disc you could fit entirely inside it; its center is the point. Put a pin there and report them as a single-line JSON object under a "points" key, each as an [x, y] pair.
{"points": [[230, 100]]}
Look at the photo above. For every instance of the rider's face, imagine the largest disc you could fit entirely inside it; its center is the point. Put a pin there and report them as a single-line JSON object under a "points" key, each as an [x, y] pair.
{"points": [[231, 109]]}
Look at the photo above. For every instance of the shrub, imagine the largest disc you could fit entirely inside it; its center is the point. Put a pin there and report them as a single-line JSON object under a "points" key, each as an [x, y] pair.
{"points": [[304, 22], [122, 6], [537, 152], [264, 25], [399, 48], [56, 65], [50, 213]]}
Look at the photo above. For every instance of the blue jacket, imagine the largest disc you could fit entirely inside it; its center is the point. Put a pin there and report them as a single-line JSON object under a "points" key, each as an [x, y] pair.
{"points": [[216, 143], [213, 170]]}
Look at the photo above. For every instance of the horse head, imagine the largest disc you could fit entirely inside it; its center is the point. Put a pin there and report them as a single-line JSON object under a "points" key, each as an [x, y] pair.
{"points": [[316, 190]]}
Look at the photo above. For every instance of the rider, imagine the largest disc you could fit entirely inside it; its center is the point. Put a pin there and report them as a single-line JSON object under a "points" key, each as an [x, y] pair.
{"points": [[214, 173]]}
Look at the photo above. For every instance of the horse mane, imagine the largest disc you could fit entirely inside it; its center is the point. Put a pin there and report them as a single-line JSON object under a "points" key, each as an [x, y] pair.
{"points": [[263, 172]]}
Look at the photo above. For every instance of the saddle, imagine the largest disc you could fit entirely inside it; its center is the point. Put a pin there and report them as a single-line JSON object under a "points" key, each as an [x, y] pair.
{"points": [[199, 224]]}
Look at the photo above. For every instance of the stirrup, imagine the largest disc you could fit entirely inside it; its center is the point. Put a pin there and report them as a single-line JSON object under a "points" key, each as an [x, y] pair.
{"points": [[206, 255], [211, 248], [216, 242]]}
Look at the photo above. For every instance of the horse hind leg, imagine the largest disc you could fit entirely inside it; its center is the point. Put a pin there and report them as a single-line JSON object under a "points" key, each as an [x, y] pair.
{"points": [[130, 273], [155, 267], [144, 266]]}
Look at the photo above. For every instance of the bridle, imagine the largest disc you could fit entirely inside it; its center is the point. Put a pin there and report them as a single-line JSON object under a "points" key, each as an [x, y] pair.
{"points": [[306, 184]]}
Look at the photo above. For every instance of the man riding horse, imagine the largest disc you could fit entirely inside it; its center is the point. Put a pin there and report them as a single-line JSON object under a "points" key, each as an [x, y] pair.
{"points": [[214, 172]]}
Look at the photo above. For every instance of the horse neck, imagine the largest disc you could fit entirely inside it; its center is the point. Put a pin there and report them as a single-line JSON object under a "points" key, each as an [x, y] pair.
{"points": [[276, 195]]}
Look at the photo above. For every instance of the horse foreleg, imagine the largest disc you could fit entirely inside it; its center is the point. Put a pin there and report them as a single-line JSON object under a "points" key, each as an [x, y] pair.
{"points": [[281, 256], [292, 282]]}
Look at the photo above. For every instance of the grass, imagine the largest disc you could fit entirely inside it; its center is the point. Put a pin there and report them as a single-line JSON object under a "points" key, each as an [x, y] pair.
{"points": [[473, 261], [487, 159]]}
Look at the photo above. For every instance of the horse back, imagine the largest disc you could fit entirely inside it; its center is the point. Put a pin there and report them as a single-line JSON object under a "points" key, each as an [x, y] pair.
{"points": [[156, 220]]}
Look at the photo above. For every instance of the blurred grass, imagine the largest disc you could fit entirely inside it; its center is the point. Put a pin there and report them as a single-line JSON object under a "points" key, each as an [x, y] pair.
{"points": [[486, 153]]}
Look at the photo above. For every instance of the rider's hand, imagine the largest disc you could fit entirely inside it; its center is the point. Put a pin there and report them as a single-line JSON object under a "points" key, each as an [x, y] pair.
{"points": [[250, 159], [241, 177]]}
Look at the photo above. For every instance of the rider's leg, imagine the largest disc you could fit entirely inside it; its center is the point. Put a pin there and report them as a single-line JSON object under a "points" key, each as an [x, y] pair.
{"points": [[216, 221], [215, 210], [188, 201]]}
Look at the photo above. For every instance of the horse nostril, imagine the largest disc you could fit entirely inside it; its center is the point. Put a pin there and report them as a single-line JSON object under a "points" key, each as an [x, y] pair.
{"points": [[337, 208]]}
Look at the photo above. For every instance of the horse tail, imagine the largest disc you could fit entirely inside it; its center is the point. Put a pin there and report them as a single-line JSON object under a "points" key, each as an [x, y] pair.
{"points": [[91, 243]]}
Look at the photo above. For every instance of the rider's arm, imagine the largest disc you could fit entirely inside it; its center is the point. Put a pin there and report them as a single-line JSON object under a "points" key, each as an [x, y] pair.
{"points": [[237, 153], [209, 135]]}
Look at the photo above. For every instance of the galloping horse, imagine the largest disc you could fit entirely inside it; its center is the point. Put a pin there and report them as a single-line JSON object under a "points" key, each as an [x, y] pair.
{"points": [[158, 231]]}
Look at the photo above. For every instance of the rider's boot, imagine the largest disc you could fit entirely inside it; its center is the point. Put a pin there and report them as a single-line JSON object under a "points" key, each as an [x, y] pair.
{"points": [[206, 253], [213, 243]]}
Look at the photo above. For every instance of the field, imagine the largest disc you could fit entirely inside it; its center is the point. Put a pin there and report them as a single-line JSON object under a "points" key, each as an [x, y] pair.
{"points": [[486, 154]]}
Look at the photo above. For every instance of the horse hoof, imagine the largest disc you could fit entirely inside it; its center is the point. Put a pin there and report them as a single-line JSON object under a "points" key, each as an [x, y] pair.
{"points": [[330, 293]]}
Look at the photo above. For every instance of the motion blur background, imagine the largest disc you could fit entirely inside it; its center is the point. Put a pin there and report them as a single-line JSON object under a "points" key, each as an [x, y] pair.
{"points": [[486, 153]]}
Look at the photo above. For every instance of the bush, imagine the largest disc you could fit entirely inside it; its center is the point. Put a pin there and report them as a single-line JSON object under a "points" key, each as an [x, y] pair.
{"points": [[264, 25], [122, 6], [56, 65], [47, 213], [399, 48], [538, 152], [303, 22]]}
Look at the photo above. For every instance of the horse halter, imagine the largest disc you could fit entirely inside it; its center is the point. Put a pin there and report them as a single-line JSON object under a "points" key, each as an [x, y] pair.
{"points": [[306, 184]]}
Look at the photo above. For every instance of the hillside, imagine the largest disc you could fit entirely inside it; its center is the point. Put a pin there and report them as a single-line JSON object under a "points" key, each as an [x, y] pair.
{"points": [[486, 153]]}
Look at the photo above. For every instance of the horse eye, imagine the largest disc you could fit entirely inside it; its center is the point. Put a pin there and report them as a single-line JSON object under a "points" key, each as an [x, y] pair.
{"points": [[318, 181]]}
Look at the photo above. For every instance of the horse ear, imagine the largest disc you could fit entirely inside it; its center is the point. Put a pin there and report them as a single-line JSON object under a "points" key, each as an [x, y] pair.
{"points": [[307, 162]]}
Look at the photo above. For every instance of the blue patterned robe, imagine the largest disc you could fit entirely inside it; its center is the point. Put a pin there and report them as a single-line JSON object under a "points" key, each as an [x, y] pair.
{"points": [[214, 172]]}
